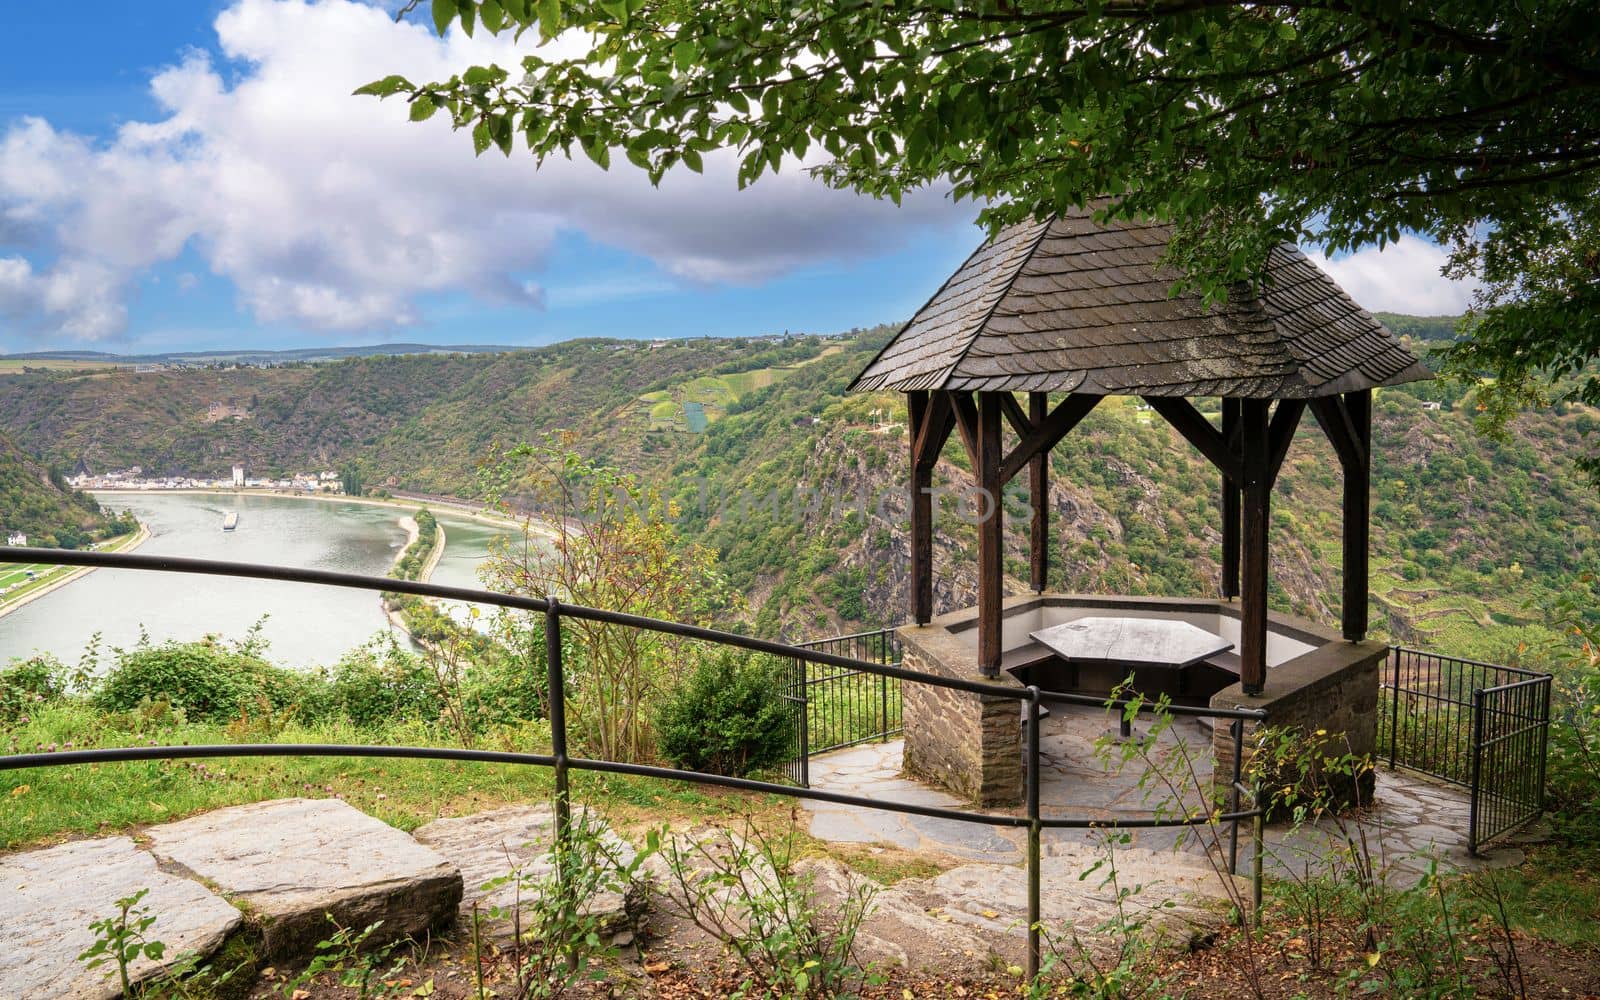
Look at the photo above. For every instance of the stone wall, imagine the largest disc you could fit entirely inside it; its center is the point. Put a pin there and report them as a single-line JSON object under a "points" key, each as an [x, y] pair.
{"points": [[1332, 688], [969, 744]]}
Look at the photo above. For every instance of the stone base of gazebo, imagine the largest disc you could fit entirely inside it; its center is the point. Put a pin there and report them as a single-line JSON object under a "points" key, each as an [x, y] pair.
{"points": [[972, 745]]}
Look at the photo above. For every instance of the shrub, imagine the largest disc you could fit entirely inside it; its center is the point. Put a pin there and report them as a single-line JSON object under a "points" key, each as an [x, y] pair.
{"points": [[374, 684], [727, 718], [30, 682], [208, 681]]}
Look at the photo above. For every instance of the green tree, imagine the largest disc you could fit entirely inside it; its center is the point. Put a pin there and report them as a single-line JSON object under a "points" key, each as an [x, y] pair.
{"points": [[1330, 122], [614, 547]]}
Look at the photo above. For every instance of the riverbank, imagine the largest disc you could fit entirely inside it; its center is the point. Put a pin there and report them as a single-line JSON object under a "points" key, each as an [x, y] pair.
{"points": [[463, 508], [66, 574]]}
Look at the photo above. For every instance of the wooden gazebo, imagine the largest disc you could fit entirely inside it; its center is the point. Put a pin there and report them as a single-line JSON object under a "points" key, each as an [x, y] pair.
{"points": [[1083, 310]]}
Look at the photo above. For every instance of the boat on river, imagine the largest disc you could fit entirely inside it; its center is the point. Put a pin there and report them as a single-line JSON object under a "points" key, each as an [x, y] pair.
{"points": [[230, 520]]}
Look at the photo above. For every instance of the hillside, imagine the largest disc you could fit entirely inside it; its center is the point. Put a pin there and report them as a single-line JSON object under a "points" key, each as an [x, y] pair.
{"points": [[34, 503], [770, 463]]}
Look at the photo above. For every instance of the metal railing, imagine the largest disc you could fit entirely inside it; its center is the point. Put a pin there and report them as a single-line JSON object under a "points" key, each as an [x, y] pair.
{"points": [[561, 761], [835, 707], [1483, 726]]}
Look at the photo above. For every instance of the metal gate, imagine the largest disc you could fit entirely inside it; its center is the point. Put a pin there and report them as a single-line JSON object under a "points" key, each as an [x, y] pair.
{"points": [[1480, 725], [1510, 734], [833, 707]]}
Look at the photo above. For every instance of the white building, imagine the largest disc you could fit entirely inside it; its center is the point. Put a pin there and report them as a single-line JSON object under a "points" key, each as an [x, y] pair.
{"points": [[238, 475], [16, 538]]}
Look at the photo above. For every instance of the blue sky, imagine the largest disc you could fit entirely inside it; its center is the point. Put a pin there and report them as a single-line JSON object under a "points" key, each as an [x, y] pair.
{"points": [[182, 176]]}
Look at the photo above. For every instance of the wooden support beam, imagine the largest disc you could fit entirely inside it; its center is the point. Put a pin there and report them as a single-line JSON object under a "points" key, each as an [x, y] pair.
{"points": [[927, 440], [1039, 500], [1254, 459], [1197, 430], [1019, 421], [966, 414], [1230, 505], [991, 534], [1334, 417], [1047, 433], [921, 417], [1280, 434], [1357, 518]]}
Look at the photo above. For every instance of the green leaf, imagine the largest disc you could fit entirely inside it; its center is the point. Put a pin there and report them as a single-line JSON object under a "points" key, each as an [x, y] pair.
{"points": [[444, 11], [548, 13], [595, 148], [422, 108], [481, 139], [385, 87], [492, 16], [683, 55]]}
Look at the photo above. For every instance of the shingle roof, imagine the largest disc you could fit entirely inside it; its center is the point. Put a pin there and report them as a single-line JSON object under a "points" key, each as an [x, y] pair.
{"points": [[1072, 306]]}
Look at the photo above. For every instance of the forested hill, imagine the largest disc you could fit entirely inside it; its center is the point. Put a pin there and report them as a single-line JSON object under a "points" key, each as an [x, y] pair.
{"points": [[35, 502], [1471, 536]]}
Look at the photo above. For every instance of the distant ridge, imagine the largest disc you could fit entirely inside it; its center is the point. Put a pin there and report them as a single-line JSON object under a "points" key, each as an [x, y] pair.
{"points": [[260, 356]]}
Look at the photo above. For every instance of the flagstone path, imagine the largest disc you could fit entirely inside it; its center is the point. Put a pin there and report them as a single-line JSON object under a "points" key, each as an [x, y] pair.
{"points": [[1412, 822]]}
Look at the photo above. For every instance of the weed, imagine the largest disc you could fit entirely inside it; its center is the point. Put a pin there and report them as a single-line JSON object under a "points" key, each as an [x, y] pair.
{"points": [[369, 973], [743, 890], [558, 940]]}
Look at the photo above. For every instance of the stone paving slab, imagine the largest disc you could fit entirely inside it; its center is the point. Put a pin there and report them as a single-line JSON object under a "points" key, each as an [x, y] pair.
{"points": [[898, 929], [489, 845], [1412, 821], [49, 897], [293, 861], [1181, 895]]}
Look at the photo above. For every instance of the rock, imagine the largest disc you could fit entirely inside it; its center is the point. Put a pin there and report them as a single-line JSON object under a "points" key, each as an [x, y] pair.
{"points": [[1180, 896], [896, 931], [490, 845], [296, 861], [49, 897]]}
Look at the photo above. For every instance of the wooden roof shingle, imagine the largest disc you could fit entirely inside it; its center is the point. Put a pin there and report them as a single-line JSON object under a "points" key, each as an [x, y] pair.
{"points": [[1074, 306]]}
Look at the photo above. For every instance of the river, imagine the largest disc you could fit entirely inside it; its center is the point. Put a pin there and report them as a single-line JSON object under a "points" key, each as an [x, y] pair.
{"points": [[306, 625]]}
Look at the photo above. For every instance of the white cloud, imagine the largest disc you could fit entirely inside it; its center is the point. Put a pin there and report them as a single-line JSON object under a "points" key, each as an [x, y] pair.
{"points": [[79, 298], [333, 212], [1403, 277]]}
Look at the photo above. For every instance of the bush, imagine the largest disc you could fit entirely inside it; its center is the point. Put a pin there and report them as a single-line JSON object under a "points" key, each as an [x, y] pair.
{"points": [[208, 681], [727, 718], [1574, 764], [29, 682], [373, 685]]}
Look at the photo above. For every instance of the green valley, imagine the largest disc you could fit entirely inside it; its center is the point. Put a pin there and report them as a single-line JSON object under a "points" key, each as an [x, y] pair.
{"points": [[36, 503], [799, 488]]}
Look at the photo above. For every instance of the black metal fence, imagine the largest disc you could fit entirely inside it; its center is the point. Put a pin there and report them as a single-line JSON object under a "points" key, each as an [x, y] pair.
{"points": [[835, 707], [1484, 726], [561, 761]]}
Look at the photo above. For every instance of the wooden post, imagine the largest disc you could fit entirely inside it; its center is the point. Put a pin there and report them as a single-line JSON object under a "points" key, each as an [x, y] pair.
{"points": [[1039, 499], [1230, 507], [991, 533], [1357, 517], [921, 514], [1257, 492]]}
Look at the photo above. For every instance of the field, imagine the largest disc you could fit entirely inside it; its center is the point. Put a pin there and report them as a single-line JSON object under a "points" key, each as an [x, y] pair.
{"points": [[14, 581], [17, 366], [664, 409]]}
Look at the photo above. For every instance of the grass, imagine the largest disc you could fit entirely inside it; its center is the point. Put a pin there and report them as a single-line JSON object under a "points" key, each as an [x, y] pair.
{"points": [[49, 804], [16, 574], [14, 366], [1555, 896], [715, 392]]}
